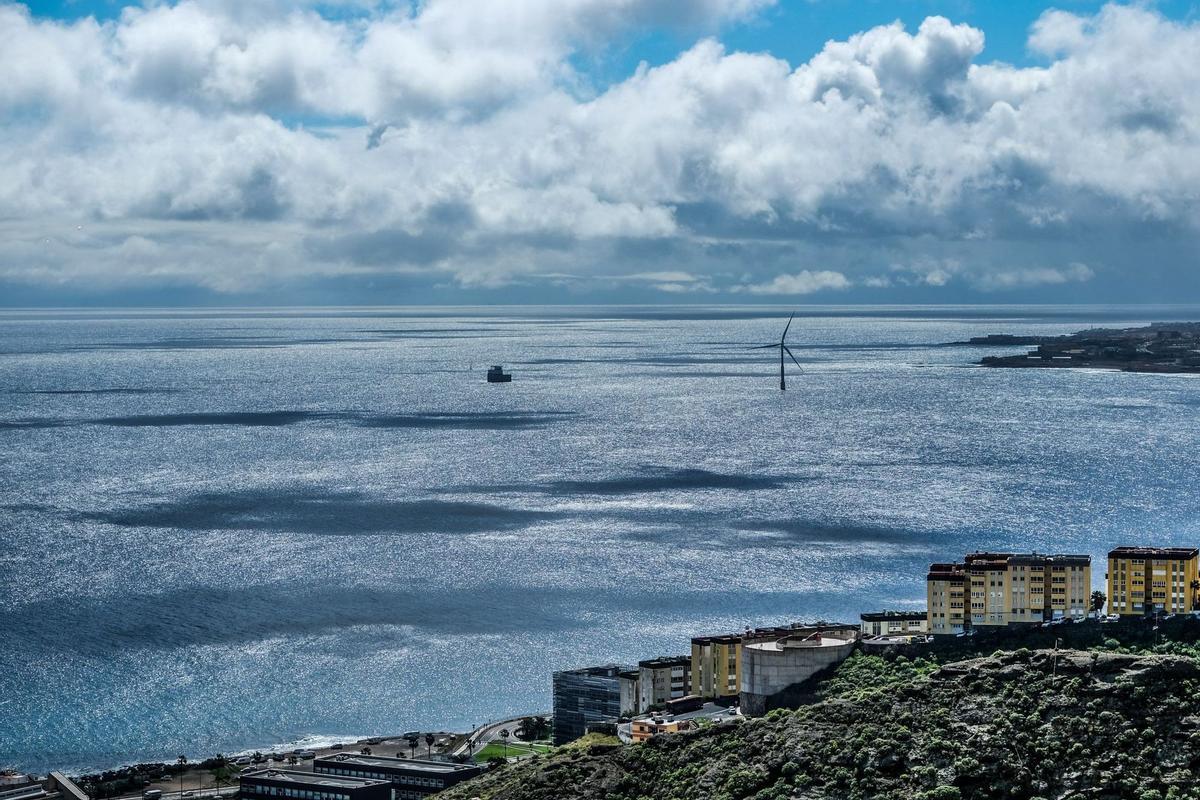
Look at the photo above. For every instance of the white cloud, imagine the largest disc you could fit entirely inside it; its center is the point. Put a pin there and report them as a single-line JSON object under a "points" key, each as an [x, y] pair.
{"points": [[1037, 276], [803, 282], [225, 145]]}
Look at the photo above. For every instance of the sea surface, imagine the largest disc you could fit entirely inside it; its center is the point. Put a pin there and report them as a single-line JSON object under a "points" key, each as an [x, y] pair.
{"points": [[223, 530]]}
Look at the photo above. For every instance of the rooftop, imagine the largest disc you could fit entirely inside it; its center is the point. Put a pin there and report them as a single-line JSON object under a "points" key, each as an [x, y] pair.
{"points": [[1172, 553], [883, 616], [388, 762], [606, 671], [313, 779], [666, 661], [779, 645]]}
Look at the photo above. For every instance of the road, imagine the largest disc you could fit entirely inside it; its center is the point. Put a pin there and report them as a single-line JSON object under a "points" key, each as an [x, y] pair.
{"points": [[490, 733]]}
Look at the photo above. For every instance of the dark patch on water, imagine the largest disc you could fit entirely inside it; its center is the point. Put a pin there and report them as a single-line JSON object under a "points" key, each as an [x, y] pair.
{"points": [[496, 420], [648, 479], [244, 418], [318, 511], [796, 531], [22, 424], [200, 615], [96, 391]]}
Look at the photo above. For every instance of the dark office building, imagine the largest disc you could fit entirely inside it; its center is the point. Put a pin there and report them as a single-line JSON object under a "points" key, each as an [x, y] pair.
{"points": [[411, 779], [308, 786], [583, 696]]}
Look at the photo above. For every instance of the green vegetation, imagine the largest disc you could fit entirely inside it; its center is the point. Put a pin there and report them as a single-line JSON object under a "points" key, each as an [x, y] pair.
{"points": [[1024, 724], [515, 748]]}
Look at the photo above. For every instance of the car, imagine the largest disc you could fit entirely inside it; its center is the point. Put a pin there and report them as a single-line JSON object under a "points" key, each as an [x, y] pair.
{"points": [[306, 754], [277, 756], [243, 761], [188, 793]]}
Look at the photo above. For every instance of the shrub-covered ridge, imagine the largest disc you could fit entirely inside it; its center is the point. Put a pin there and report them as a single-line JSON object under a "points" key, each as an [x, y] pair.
{"points": [[1023, 724]]}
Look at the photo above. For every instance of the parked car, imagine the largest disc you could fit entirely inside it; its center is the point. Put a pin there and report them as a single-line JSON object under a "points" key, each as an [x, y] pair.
{"points": [[306, 754]]}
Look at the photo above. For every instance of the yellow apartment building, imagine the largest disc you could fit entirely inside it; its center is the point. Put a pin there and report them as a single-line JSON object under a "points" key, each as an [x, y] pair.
{"points": [[716, 665], [1142, 580], [996, 589], [945, 597]]}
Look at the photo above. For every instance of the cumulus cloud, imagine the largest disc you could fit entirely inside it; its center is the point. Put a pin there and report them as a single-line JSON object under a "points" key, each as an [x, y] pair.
{"points": [[803, 282], [1040, 276], [242, 146]]}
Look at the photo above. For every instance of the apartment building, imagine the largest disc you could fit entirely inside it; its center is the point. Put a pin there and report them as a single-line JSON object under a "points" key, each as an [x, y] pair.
{"points": [[716, 665], [1143, 580], [945, 595], [996, 589], [663, 679]]}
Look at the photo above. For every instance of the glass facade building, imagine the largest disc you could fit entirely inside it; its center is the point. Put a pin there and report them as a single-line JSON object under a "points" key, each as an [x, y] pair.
{"points": [[584, 696]]}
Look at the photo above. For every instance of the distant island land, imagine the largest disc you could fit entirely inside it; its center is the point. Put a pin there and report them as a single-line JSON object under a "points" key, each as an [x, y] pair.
{"points": [[1164, 347]]}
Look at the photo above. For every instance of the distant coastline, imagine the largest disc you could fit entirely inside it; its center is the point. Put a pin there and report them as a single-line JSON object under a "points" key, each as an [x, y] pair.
{"points": [[1161, 347]]}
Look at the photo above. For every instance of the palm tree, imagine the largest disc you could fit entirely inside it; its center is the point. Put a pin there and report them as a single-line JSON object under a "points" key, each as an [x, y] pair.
{"points": [[182, 764], [429, 740], [533, 728], [1098, 601], [504, 734]]}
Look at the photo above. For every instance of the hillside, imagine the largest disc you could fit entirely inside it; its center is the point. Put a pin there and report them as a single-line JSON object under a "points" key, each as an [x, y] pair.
{"points": [[1106, 725]]}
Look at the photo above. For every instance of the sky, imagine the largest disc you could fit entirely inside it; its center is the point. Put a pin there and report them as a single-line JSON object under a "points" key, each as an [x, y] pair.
{"points": [[247, 152]]}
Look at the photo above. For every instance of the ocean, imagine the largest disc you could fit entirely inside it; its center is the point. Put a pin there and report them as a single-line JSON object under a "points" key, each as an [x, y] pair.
{"points": [[233, 529]]}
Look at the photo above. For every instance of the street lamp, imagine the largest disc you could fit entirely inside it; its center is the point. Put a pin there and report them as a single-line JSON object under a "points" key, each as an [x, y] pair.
{"points": [[182, 764]]}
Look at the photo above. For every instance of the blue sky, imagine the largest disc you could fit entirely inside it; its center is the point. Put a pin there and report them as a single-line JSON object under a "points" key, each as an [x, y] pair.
{"points": [[210, 151]]}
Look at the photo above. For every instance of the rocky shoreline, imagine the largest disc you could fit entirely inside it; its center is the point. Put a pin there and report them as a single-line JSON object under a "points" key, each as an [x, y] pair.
{"points": [[1161, 347]]}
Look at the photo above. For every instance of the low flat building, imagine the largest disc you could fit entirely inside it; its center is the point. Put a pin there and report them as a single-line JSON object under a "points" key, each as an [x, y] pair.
{"points": [[894, 623], [583, 696], [1143, 580], [642, 729], [663, 679], [310, 786], [410, 779], [772, 670]]}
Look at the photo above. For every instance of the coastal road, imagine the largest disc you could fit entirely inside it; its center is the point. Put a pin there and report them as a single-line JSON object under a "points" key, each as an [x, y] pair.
{"points": [[490, 732]]}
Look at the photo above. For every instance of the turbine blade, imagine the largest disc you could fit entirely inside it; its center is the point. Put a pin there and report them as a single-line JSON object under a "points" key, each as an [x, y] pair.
{"points": [[785, 327], [789, 352], [764, 346]]}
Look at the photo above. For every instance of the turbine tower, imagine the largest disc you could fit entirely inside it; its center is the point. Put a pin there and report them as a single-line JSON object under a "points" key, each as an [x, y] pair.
{"points": [[783, 348]]}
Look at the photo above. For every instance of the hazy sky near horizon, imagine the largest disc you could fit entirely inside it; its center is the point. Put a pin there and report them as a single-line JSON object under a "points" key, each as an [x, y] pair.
{"points": [[473, 151]]}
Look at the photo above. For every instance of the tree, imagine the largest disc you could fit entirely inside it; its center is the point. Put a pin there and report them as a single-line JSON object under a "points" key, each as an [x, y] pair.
{"points": [[1098, 601], [182, 768], [504, 734], [532, 728], [429, 740], [412, 746], [366, 751]]}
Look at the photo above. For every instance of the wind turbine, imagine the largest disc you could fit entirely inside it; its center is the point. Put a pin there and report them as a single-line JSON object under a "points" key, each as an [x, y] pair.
{"points": [[783, 348]]}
